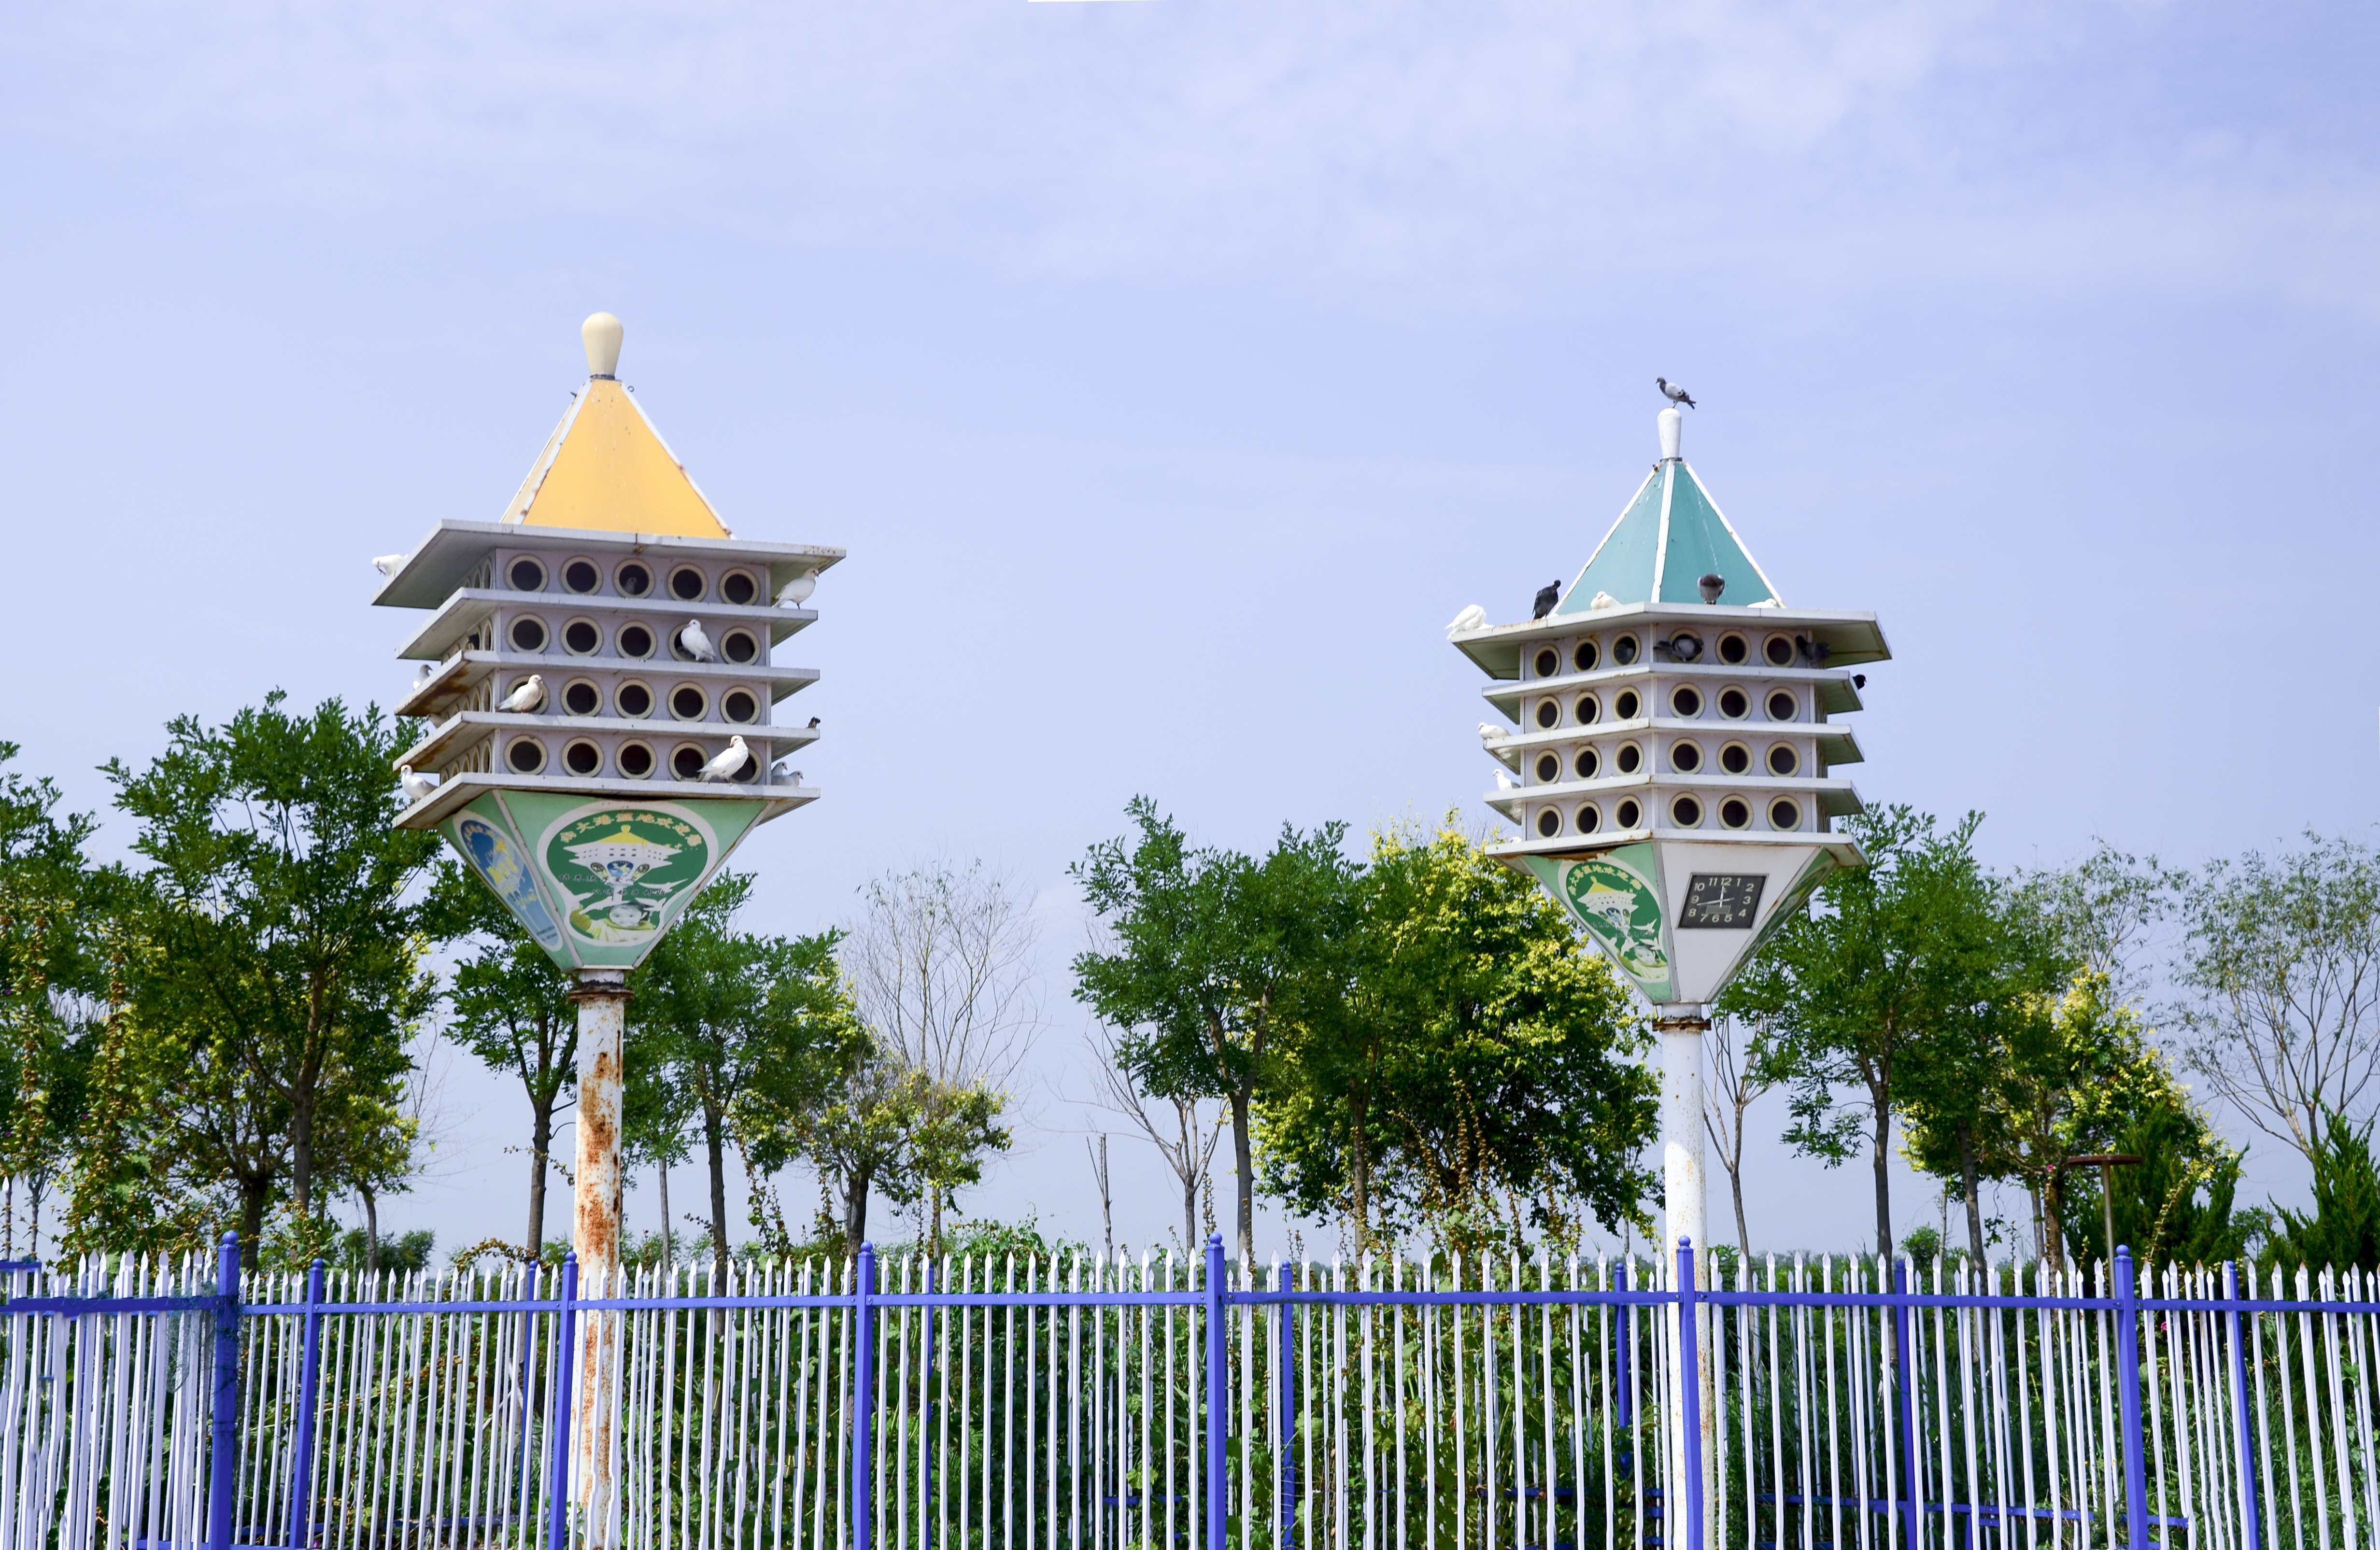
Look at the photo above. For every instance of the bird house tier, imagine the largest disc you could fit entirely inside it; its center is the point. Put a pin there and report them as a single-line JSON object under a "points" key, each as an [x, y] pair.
{"points": [[607, 640], [1671, 763]]}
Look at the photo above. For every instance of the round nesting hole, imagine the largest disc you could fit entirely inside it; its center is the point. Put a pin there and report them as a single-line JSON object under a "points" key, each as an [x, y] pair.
{"points": [[686, 761], [634, 578], [1735, 813], [581, 576], [737, 587], [1589, 820], [1783, 706], [1685, 757], [1735, 759], [1549, 768], [740, 705], [748, 771], [1586, 764], [1548, 662], [1732, 649], [1625, 705], [1686, 812], [1549, 822], [633, 700], [1549, 712], [582, 757], [1629, 760], [739, 645], [525, 755], [1628, 815], [580, 697], [1686, 701], [1734, 703], [1585, 657], [688, 703], [1784, 814], [686, 584], [1623, 650], [1782, 759], [526, 574], [635, 760], [1779, 650], [580, 637], [1588, 709], [1687, 648], [634, 640], [527, 634]]}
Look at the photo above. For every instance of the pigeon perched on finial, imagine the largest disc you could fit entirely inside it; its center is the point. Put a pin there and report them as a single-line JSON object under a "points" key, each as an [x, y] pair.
{"points": [[1547, 595], [1472, 618], [697, 644], [798, 591], [416, 787], [725, 764], [525, 697], [1675, 395]]}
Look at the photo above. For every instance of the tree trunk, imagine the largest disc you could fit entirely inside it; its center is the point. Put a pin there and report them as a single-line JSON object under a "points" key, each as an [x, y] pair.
{"points": [[1883, 1179], [1972, 1185], [714, 1138], [1735, 1186], [1244, 1158], [372, 1236], [1363, 1181], [301, 1153], [255, 1194], [855, 1212], [934, 1220], [541, 1139], [669, 1236], [1189, 1211], [2053, 1222]]}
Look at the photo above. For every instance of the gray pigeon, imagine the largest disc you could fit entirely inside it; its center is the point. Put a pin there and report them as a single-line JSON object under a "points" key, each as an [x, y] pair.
{"points": [[1675, 395], [1547, 595]]}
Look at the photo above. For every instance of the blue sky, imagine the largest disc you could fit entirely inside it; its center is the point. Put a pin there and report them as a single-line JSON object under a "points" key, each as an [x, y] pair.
{"points": [[1174, 370]]}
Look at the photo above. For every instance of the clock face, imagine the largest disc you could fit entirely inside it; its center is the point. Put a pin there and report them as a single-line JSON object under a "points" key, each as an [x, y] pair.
{"points": [[1722, 900]]}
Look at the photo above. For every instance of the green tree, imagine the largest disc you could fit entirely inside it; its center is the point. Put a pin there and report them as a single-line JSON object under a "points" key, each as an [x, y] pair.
{"points": [[2344, 1228], [511, 1006], [1481, 1066], [859, 1131], [1212, 952], [1848, 992], [279, 967], [2177, 1202], [726, 1013]]}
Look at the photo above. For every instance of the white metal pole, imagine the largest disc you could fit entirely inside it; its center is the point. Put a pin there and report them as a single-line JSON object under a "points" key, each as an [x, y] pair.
{"points": [[1681, 1028], [602, 998]]}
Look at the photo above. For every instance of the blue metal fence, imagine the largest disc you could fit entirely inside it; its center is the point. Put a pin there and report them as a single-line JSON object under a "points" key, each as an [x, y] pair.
{"points": [[1495, 1402]]}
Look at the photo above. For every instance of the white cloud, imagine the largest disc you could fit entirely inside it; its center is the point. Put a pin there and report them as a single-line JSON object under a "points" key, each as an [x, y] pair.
{"points": [[1523, 146]]}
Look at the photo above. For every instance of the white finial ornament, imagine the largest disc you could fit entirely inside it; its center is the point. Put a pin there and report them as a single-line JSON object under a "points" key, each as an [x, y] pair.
{"points": [[602, 334], [1671, 423]]}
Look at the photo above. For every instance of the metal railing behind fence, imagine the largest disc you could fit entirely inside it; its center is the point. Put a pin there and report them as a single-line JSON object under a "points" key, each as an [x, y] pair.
{"points": [[1039, 1403]]}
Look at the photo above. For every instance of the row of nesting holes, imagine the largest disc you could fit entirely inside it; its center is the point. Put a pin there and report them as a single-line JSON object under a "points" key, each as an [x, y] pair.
{"points": [[632, 578], [633, 700], [1684, 647], [1686, 812], [580, 637], [525, 756], [1685, 702], [1685, 757]]}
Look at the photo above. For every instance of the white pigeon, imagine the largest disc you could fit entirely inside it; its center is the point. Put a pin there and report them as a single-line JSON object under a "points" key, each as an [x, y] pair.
{"points": [[728, 763], [416, 787], [1472, 618], [1503, 782], [386, 563], [798, 591], [423, 676], [1603, 601], [1489, 732], [697, 644], [526, 698]]}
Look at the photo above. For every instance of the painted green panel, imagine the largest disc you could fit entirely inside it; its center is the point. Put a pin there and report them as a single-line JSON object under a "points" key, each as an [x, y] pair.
{"points": [[1622, 564], [1616, 895], [1699, 544], [598, 882]]}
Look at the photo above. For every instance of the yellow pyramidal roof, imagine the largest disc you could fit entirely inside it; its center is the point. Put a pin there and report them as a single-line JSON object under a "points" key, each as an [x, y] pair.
{"points": [[606, 467]]}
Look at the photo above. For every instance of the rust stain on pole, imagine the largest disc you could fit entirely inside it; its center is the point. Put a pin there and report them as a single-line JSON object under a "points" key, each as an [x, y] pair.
{"points": [[602, 998]]}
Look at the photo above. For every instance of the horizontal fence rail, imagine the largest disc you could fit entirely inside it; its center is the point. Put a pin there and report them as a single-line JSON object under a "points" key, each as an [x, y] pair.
{"points": [[1492, 1402]]}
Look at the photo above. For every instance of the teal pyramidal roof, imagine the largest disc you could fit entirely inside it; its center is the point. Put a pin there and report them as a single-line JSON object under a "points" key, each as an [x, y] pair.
{"points": [[1668, 539]]}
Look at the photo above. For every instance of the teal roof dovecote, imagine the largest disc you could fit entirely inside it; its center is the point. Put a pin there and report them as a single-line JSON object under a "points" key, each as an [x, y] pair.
{"points": [[1670, 536]]}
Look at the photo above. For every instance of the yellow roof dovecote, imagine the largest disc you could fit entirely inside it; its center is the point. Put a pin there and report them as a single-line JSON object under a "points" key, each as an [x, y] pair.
{"points": [[605, 467]]}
